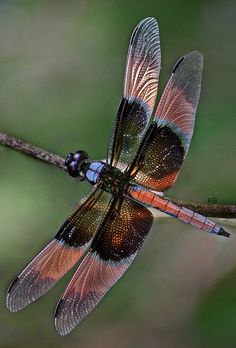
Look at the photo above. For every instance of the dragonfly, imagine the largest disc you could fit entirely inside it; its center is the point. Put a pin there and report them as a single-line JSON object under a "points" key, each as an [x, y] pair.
{"points": [[146, 150]]}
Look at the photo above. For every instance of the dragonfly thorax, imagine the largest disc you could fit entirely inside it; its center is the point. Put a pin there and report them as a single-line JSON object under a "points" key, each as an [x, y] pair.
{"points": [[80, 167], [114, 180]]}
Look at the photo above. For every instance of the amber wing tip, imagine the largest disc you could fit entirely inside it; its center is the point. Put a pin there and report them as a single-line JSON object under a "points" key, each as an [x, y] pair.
{"points": [[224, 233]]}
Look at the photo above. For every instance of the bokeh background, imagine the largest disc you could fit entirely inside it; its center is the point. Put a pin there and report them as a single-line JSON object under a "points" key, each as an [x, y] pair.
{"points": [[61, 73]]}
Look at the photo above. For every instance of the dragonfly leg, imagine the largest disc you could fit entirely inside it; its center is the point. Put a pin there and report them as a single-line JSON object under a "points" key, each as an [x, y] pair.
{"points": [[186, 215]]}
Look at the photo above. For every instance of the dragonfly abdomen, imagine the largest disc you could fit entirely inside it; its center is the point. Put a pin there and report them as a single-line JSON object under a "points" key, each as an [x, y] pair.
{"points": [[188, 216]]}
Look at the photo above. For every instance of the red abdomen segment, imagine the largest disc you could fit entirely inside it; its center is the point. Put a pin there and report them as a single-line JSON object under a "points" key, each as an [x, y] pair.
{"points": [[188, 216]]}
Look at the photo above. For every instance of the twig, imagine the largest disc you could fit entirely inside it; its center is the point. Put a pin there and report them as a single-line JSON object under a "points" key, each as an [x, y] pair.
{"points": [[31, 150], [211, 210]]}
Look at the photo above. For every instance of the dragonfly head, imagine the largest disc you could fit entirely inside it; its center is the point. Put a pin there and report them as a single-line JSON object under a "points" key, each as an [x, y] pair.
{"points": [[74, 164]]}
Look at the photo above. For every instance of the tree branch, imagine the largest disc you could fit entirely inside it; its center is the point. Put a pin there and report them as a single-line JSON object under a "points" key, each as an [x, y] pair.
{"points": [[211, 210], [31, 150]]}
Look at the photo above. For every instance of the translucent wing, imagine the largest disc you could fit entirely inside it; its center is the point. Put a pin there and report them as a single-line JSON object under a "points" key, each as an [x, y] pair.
{"points": [[167, 141], [139, 94], [61, 254], [112, 251]]}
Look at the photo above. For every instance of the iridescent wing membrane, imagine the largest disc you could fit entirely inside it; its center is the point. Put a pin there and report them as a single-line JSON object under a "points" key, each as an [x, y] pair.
{"points": [[112, 251], [166, 143], [62, 253], [139, 93]]}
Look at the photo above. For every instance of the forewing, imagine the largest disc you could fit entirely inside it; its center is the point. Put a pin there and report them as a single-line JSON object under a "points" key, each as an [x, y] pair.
{"points": [[139, 93], [61, 254], [166, 145], [112, 251]]}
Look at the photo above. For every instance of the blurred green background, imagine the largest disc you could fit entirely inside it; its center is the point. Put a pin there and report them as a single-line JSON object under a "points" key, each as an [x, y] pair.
{"points": [[61, 73]]}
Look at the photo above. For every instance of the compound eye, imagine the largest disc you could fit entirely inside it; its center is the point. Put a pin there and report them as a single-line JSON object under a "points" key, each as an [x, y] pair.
{"points": [[69, 159], [74, 163], [81, 155]]}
